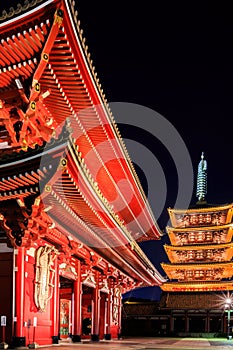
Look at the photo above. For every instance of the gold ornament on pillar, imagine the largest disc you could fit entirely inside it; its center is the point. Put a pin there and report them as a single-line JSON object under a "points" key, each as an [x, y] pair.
{"points": [[44, 276], [116, 304]]}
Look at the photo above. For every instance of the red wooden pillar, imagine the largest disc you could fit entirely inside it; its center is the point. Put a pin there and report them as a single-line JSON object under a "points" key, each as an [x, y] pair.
{"points": [[19, 339], [96, 311], [107, 334], [56, 301], [119, 317], [77, 318]]}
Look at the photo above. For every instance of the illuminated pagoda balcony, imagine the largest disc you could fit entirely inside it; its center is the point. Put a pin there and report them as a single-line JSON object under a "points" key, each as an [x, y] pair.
{"points": [[198, 272], [203, 235], [197, 286], [197, 253], [198, 217]]}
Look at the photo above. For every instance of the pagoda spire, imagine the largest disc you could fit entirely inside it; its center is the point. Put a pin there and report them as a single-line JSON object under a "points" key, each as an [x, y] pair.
{"points": [[202, 179]]}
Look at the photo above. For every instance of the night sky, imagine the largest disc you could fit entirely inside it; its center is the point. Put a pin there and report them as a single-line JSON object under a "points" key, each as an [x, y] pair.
{"points": [[174, 57]]}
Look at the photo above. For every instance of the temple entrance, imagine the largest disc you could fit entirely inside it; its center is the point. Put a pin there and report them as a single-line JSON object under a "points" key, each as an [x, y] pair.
{"points": [[179, 323], [66, 291], [216, 324], [197, 324], [91, 312]]}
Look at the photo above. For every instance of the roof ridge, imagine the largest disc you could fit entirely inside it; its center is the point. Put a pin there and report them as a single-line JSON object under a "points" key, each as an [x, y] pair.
{"points": [[6, 14]]}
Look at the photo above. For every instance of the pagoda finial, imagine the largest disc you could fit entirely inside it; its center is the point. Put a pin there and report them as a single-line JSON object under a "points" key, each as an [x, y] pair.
{"points": [[202, 179]]}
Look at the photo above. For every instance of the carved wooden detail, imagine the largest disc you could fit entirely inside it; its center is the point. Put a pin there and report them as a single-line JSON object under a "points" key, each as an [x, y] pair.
{"points": [[211, 274], [199, 255], [116, 304], [44, 276], [200, 237], [67, 270], [14, 221], [201, 219]]}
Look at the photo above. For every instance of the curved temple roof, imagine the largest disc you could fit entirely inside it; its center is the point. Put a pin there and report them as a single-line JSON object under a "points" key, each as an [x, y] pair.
{"points": [[47, 76]]}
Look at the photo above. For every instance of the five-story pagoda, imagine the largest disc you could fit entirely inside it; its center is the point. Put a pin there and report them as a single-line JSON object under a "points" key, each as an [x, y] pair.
{"points": [[200, 257]]}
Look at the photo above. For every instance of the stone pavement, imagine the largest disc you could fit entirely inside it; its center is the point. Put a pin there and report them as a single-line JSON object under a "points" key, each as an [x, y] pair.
{"points": [[147, 344]]}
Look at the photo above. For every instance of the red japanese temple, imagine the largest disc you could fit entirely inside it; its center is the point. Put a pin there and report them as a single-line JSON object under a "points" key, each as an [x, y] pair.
{"points": [[69, 229]]}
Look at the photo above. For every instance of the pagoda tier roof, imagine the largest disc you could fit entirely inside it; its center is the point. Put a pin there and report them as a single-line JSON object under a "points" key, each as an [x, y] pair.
{"points": [[213, 252], [198, 228], [223, 234], [203, 286], [200, 217], [199, 247], [206, 209], [219, 270], [197, 266], [45, 46]]}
